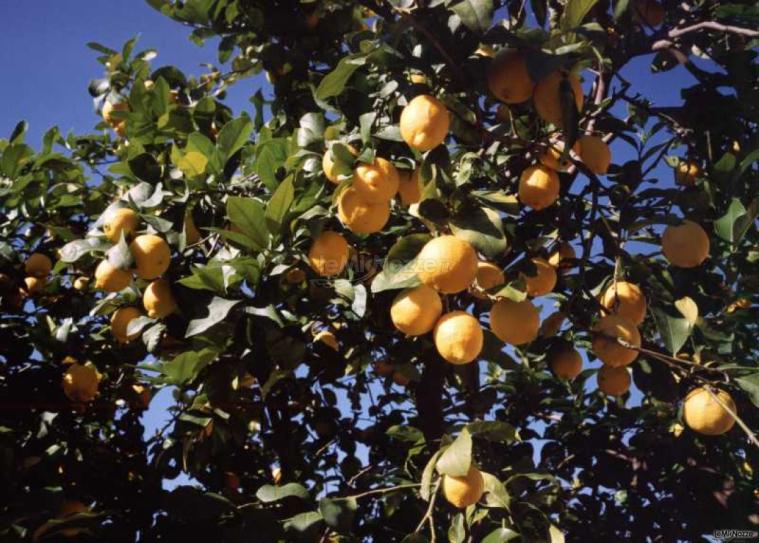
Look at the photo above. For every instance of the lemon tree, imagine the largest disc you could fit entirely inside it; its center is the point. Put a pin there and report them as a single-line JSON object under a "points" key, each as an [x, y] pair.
{"points": [[451, 275]]}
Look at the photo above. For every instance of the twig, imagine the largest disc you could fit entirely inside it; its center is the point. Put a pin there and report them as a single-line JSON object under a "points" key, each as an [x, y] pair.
{"points": [[430, 508], [375, 491], [713, 25]]}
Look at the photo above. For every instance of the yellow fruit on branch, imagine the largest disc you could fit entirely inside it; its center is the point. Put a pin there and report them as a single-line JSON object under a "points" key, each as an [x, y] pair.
{"points": [[466, 490], [109, 108], [152, 255], [551, 157], [704, 414], [458, 337], [418, 79], [80, 382], [488, 276], [625, 299], [360, 216], [328, 165], [565, 362], [120, 322], [81, 283], [158, 299], [120, 220], [544, 279], [508, 78], [38, 265], [327, 338], [424, 123], [605, 345], [561, 258], [328, 254], [595, 154], [376, 183], [111, 279], [538, 187], [686, 173], [447, 263], [409, 187], [613, 381], [415, 310], [686, 245], [35, 285], [548, 99], [515, 323]]}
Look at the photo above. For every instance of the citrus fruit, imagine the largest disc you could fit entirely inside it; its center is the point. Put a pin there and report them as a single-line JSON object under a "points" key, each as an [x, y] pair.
{"points": [[561, 258], [109, 108], [34, 285], [625, 299], [686, 173], [551, 157], [458, 337], [508, 78], [703, 413], [120, 322], [544, 279], [80, 382], [328, 165], [447, 263], [409, 186], [464, 491], [415, 310], [360, 216], [376, 183], [488, 276], [424, 123], [328, 338], [152, 255], [120, 220], [565, 362], [595, 154], [110, 278], [686, 245], [158, 300], [328, 254], [548, 100], [613, 381], [538, 187], [515, 323], [607, 348], [38, 265]]}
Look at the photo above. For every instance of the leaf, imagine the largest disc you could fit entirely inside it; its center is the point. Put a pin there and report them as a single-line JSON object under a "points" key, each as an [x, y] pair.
{"points": [[493, 430], [688, 309], [500, 535], [750, 384], [620, 7], [272, 493], [302, 522], [74, 250], [425, 490], [457, 529], [193, 164], [185, 367], [279, 205], [497, 495], [249, 216], [457, 458], [338, 513], [674, 331], [475, 14], [119, 256], [724, 227], [270, 155], [334, 82], [233, 136], [557, 536], [574, 12], [483, 228], [218, 310]]}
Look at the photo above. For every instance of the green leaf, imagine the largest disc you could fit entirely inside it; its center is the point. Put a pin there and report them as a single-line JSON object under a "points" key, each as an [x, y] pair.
{"points": [[750, 384], [497, 495], [218, 310], [270, 155], [233, 136], [279, 205], [457, 529], [185, 367], [272, 493], [574, 12], [725, 225], [475, 14], [338, 513], [620, 7], [334, 82], [483, 228], [457, 458], [425, 490], [249, 216], [302, 522], [74, 250], [500, 535], [493, 430], [674, 331], [119, 256]]}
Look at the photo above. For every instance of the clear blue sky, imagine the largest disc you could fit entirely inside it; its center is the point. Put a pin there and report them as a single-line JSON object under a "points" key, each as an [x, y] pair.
{"points": [[46, 67]]}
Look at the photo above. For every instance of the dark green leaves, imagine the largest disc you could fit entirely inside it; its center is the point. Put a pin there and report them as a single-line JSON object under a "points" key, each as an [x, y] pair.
{"points": [[249, 216], [399, 268], [185, 367], [334, 82], [674, 331], [574, 12], [483, 228], [338, 513], [734, 224], [279, 205], [233, 136], [475, 14], [217, 310]]}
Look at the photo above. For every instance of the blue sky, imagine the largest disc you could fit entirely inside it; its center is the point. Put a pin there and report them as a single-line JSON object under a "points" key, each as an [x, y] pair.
{"points": [[46, 68]]}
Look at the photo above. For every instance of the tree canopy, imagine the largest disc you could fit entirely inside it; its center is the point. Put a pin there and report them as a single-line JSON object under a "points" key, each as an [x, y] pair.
{"points": [[406, 295]]}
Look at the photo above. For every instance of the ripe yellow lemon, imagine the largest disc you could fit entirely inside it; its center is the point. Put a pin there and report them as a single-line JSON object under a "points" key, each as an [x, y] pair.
{"points": [[360, 216], [458, 337], [544, 279], [538, 187], [566, 363], [551, 157], [409, 187], [110, 278], [328, 338], [118, 221], [613, 381], [376, 183], [34, 285], [515, 323], [686, 245], [328, 165], [158, 300], [415, 311], [625, 299], [488, 276], [109, 108], [328, 254], [649, 11], [464, 491], [548, 100], [38, 265], [508, 78], [424, 123], [607, 349], [152, 255], [595, 154], [560, 258], [703, 414], [81, 283], [120, 322], [447, 263], [686, 173], [80, 382]]}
